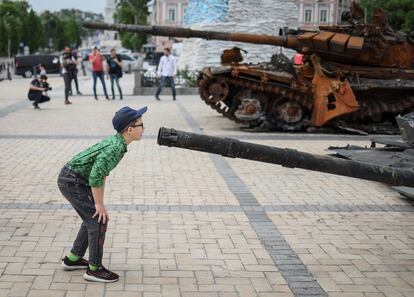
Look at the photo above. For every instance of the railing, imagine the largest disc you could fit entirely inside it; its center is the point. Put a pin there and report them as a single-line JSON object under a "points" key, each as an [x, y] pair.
{"points": [[183, 79], [6, 68]]}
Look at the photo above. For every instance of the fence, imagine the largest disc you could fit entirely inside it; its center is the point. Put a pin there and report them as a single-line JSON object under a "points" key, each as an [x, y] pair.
{"points": [[183, 78], [6, 68]]}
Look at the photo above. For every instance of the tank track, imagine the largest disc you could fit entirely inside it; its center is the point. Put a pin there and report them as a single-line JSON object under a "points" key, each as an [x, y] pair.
{"points": [[368, 108], [287, 92]]}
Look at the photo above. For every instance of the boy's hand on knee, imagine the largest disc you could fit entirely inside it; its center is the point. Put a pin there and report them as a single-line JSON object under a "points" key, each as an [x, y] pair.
{"points": [[101, 213]]}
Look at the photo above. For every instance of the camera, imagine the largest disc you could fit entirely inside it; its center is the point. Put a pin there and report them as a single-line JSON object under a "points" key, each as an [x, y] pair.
{"points": [[67, 55], [67, 62], [46, 86]]}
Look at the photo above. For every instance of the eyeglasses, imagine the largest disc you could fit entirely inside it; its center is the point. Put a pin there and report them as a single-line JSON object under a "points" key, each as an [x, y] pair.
{"points": [[139, 125]]}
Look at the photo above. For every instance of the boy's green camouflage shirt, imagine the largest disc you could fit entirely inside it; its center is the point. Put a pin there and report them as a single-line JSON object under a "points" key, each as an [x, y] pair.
{"points": [[98, 160]]}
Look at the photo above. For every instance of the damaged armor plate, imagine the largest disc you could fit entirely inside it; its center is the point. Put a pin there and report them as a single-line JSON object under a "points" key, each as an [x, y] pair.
{"points": [[396, 153]]}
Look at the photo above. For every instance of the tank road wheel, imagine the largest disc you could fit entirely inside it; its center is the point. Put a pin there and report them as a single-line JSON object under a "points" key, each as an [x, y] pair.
{"points": [[252, 105], [214, 90], [287, 111]]}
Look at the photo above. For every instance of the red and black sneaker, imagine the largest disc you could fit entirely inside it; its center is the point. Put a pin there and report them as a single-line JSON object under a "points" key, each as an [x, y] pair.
{"points": [[70, 265], [102, 275]]}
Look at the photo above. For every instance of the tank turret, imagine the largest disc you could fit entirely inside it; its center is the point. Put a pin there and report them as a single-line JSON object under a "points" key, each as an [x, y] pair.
{"points": [[363, 46]]}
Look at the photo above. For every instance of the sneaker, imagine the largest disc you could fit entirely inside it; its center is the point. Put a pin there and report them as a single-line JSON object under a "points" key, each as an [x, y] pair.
{"points": [[102, 275], [79, 93], [67, 102], [36, 106], [96, 97], [174, 98], [69, 265], [107, 98], [158, 98]]}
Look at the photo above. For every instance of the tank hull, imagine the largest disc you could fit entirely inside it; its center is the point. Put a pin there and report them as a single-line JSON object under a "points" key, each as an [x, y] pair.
{"points": [[281, 97]]}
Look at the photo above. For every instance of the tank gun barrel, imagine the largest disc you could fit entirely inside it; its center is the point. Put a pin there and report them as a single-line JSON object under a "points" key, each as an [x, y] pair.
{"points": [[189, 33], [285, 157]]}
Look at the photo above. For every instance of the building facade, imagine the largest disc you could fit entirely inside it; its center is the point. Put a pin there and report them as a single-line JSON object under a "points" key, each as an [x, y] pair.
{"points": [[166, 13], [105, 39], [110, 38], [315, 13]]}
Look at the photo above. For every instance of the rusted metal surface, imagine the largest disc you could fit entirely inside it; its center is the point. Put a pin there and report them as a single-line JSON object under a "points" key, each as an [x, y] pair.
{"points": [[188, 33], [357, 76], [370, 46], [285, 157], [332, 97], [231, 56]]}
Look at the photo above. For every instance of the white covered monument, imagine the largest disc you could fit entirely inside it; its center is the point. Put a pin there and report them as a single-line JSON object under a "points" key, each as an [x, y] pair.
{"points": [[252, 16]]}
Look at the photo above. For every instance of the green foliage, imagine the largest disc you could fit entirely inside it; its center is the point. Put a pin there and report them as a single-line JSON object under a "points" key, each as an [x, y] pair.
{"points": [[19, 24], [64, 28], [11, 24], [400, 12], [190, 78], [132, 12]]}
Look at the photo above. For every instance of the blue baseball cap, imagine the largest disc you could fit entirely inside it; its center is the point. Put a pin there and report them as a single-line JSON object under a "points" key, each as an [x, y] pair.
{"points": [[126, 115]]}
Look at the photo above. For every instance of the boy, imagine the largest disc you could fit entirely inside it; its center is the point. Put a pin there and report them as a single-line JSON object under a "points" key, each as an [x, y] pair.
{"points": [[82, 182]]}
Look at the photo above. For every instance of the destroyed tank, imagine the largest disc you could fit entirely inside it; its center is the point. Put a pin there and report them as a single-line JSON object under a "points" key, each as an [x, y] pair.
{"points": [[395, 152], [402, 176], [392, 163], [356, 76]]}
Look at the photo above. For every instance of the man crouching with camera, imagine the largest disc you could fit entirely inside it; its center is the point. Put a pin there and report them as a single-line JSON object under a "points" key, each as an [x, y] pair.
{"points": [[37, 87]]}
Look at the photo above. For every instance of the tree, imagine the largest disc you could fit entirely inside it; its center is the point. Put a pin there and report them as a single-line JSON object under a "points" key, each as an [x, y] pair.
{"points": [[32, 33], [10, 28], [132, 12], [20, 25], [400, 12], [62, 30]]}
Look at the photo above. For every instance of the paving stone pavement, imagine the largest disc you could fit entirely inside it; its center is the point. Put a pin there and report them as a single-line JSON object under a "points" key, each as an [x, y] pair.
{"points": [[185, 223]]}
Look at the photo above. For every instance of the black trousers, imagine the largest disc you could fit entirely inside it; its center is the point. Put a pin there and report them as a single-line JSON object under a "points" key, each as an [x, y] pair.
{"points": [[91, 233], [75, 78], [67, 77], [38, 98]]}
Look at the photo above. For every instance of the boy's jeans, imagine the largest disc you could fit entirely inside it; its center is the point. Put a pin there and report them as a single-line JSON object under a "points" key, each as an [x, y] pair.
{"points": [[91, 233]]}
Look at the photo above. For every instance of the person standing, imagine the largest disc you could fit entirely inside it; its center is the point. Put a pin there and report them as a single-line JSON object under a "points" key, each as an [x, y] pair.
{"points": [[75, 72], [167, 70], [68, 66], [42, 70], [114, 71], [96, 60], [37, 87]]}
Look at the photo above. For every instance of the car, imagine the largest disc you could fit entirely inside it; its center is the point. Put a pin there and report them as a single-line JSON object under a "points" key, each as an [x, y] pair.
{"points": [[128, 61], [25, 65]]}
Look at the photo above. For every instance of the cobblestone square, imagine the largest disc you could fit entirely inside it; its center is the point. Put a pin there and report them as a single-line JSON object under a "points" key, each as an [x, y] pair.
{"points": [[184, 223]]}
